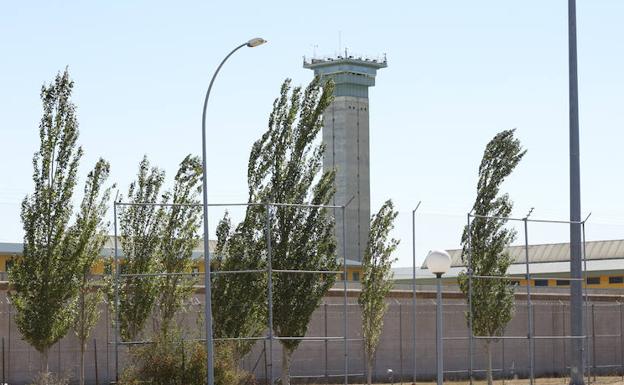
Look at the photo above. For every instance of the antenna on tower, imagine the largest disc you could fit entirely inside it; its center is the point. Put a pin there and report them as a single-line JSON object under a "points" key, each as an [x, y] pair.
{"points": [[339, 41]]}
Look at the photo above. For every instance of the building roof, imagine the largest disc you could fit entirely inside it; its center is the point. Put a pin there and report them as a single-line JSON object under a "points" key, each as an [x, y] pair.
{"points": [[15, 248], [541, 269], [556, 252]]}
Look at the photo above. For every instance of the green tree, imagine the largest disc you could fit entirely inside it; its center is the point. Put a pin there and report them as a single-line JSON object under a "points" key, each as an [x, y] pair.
{"points": [[46, 278], [90, 232], [239, 300], [285, 166], [141, 226], [492, 299], [179, 237], [376, 280]]}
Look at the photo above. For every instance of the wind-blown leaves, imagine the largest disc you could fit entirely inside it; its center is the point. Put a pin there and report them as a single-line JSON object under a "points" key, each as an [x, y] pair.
{"points": [[285, 166], [141, 226], [179, 237], [89, 233], [47, 279], [492, 299], [377, 279]]}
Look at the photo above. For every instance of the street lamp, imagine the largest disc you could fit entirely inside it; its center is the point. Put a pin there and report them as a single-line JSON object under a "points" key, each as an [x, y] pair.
{"points": [[439, 262], [207, 290]]}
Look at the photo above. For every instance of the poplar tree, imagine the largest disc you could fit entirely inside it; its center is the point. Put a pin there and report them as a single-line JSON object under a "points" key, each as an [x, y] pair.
{"points": [[178, 239], [486, 242], [90, 232], [141, 228], [376, 280], [45, 279], [239, 300], [285, 166]]}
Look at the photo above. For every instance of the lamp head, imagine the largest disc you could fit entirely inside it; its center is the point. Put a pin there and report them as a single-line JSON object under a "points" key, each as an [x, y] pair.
{"points": [[438, 262], [256, 41]]}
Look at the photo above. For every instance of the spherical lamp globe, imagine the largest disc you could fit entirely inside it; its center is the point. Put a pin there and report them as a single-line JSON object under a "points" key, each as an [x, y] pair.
{"points": [[438, 262]]}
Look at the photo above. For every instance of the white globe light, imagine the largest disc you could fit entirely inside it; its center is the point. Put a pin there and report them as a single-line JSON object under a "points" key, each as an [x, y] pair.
{"points": [[438, 261]]}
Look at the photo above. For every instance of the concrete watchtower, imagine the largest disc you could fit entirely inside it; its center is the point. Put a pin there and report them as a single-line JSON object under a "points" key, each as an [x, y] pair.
{"points": [[346, 139]]}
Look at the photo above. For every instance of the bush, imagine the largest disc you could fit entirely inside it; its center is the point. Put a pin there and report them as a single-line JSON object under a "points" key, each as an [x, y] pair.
{"points": [[172, 361], [50, 379]]}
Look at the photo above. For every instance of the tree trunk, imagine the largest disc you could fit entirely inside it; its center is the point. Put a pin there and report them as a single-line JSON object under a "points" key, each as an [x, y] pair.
{"points": [[285, 366], [488, 347], [369, 370], [44, 360]]}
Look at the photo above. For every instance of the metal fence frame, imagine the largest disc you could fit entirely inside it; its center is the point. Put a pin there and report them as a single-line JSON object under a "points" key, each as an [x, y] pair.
{"points": [[530, 337], [269, 271]]}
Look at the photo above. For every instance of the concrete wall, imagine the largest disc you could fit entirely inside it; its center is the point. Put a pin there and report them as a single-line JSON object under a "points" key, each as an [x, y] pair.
{"points": [[320, 358]]}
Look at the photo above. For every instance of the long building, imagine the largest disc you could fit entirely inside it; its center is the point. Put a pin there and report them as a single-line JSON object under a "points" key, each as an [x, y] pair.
{"points": [[11, 250], [549, 265]]}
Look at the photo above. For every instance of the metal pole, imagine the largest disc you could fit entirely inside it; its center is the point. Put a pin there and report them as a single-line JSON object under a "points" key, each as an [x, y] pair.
{"points": [[503, 359], [552, 333], [563, 332], [584, 273], [345, 287], [3, 377], [593, 314], [401, 342], [439, 331], [576, 296], [270, 291], [471, 334], [117, 272], [529, 305], [414, 290], [266, 377], [97, 377], [326, 352], [207, 283], [621, 340]]}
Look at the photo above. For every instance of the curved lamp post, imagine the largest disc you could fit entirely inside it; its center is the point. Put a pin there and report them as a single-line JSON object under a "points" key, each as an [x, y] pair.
{"points": [[207, 288], [439, 262]]}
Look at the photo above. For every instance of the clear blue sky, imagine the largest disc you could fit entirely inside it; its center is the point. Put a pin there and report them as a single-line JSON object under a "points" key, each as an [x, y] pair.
{"points": [[459, 71]]}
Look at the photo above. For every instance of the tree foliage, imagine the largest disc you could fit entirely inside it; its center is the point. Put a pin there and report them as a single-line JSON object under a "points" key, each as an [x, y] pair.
{"points": [[486, 240], [141, 227], [377, 279], [239, 300], [285, 165], [178, 239], [46, 278], [90, 232]]}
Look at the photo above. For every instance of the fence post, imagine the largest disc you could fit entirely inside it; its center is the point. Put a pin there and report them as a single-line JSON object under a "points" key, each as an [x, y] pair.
{"points": [[563, 340], [552, 333], [326, 372], [401, 342], [503, 366], [529, 305], [594, 339], [470, 334], [97, 377], [266, 375], [621, 342]]}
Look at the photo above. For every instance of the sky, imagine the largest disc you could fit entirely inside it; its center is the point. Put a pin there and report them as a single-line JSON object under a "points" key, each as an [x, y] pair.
{"points": [[458, 73]]}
